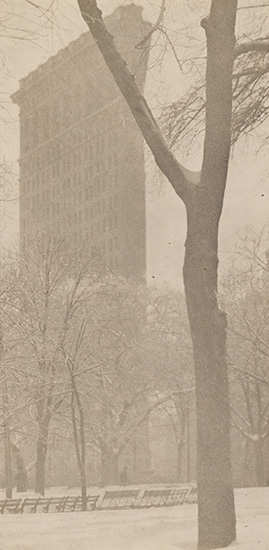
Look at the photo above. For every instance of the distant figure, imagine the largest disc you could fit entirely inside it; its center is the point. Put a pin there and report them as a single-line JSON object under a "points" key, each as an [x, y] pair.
{"points": [[124, 480]]}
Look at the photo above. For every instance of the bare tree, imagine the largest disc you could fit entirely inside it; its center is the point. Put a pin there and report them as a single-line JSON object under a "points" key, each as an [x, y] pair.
{"points": [[119, 380], [6, 285], [202, 195], [6, 424], [47, 291], [185, 117], [246, 297], [169, 347]]}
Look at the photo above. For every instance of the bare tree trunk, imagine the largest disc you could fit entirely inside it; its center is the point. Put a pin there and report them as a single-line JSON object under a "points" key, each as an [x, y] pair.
{"points": [[6, 424], [21, 476], [188, 449], [180, 439], [41, 454], [8, 462], [79, 440], [259, 443], [179, 461], [259, 464], [109, 467], [208, 329]]}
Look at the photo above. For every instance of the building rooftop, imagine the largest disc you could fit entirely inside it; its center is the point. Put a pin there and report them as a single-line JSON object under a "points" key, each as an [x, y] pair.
{"points": [[121, 14]]}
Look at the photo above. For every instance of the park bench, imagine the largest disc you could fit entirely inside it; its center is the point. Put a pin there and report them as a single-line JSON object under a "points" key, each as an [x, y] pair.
{"points": [[192, 495], [42, 504], [73, 504], [179, 496], [92, 501], [155, 497], [46, 504], [11, 505], [29, 504], [53, 504], [114, 500]]}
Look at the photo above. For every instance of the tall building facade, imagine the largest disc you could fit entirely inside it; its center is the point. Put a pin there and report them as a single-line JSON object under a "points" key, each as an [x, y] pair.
{"points": [[82, 157]]}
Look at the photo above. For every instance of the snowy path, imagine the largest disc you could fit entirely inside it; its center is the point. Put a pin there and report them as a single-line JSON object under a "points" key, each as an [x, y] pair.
{"points": [[152, 529]]}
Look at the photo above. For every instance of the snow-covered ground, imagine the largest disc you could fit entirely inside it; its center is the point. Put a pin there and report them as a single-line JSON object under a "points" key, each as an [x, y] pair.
{"points": [[172, 528]]}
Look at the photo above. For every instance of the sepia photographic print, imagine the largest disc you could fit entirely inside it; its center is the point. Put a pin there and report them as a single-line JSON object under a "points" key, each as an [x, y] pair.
{"points": [[134, 266]]}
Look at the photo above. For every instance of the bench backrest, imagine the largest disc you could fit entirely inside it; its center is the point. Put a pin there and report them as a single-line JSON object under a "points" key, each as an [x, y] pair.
{"points": [[123, 494], [157, 492], [10, 504]]}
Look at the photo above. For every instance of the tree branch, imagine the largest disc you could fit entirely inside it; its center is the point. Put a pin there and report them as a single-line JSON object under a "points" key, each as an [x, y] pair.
{"points": [[180, 178], [155, 27], [252, 46], [253, 7]]}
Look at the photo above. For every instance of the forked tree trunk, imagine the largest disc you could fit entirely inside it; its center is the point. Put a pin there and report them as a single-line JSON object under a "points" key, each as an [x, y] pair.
{"points": [[208, 328]]}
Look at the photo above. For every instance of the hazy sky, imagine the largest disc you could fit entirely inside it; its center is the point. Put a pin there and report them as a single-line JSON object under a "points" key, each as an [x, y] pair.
{"points": [[247, 197]]}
